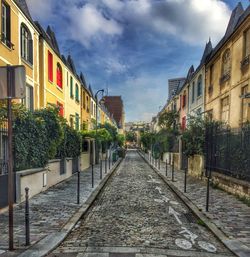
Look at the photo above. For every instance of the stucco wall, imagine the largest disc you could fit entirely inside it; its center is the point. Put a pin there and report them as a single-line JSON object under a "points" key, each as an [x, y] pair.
{"points": [[38, 180], [196, 165], [85, 161]]}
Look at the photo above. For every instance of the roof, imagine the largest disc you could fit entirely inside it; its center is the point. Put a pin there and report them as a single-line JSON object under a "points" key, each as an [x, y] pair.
{"points": [[238, 16], [114, 104]]}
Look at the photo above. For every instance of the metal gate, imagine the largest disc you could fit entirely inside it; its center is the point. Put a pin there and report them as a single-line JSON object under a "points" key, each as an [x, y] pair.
{"points": [[4, 165]]}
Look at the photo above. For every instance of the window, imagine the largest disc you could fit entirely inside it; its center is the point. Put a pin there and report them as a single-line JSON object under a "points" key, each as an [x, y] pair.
{"points": [[59, 78], [84, 100], [29, 98], [87, 102], [199, 86], [26, 44], [77, 121], [50, 66], [225, 109], [77, 93], [71, 87], [61, 109], [184, 100], [226, 63], [245, 105], [246, 47], [193, 91], [5, 29]]}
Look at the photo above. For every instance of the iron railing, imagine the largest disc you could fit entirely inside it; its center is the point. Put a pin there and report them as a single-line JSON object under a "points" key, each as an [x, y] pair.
{"points": [[3, 148], [228, 151]]}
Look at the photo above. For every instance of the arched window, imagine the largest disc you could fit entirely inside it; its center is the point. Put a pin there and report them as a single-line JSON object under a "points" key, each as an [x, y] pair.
{"points": [[26, 44], [71, 88], [77, 93], [59, 79], [199, 86], [226, 63]]}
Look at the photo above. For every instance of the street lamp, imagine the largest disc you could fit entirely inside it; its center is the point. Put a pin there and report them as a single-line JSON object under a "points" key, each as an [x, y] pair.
{"points": [[96, 123]]}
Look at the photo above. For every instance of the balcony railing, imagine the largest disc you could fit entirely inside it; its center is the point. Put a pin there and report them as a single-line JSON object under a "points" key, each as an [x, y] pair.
{"points": [[245, 62], [225, 77]]}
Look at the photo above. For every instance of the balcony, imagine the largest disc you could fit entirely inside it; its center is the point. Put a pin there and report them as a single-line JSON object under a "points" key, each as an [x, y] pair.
{"points": [[225, 77], [244, 63]]}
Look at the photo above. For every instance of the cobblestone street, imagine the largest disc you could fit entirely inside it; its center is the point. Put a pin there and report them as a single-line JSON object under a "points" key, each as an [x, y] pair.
{"points": [[138, 215], [49, 210]]}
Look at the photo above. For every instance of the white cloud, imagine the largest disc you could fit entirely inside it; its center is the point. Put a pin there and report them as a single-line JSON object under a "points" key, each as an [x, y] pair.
{"points": [[88, 23], [40, 10]]}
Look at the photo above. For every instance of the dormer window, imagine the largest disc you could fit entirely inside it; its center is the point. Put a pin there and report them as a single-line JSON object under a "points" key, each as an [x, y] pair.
{"points": [[59, 79], [26, 44]]}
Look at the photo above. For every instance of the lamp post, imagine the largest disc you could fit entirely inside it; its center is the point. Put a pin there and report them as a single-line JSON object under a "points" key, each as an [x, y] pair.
{"points": [[96, 123]]}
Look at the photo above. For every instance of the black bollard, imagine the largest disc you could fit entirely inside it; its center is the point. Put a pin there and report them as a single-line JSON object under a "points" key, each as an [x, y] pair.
{"points": [[159, 163], [101, 168], [92, 175], [106, 158], [166, 168], [185, 180], [27, 217], [207, 198], [173, 171], [78, 187]]}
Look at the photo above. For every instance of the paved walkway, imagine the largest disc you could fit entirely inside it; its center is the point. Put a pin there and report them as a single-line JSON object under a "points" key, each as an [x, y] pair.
{"points": [[137, 215], [228, 213], [49, 210]]}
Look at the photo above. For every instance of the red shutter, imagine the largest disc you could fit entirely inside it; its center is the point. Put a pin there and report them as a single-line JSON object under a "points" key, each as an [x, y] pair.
{"points": [[50, 66]]}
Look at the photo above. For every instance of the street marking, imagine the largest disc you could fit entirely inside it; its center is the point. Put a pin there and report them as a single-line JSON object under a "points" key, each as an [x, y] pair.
{"points": [[207, 246], [183, 243], [175, 214], [158, 200], [188, 235], [174, 202], [159, 190]]}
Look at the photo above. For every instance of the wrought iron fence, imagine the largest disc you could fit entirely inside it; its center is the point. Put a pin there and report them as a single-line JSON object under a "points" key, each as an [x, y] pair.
{"points": [[228, 151]]}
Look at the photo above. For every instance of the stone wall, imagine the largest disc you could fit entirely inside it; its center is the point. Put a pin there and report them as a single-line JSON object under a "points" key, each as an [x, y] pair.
{"points": [[196, 165], [232, 185]]}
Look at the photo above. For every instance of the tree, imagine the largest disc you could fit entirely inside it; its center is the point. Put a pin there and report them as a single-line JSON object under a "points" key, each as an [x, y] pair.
{"points": [[167, 120], [147, 140], [130, 136]]}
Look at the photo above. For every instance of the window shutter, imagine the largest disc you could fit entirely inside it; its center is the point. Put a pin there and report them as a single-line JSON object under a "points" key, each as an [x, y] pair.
{"points": [[30, 51], [8, 26]]}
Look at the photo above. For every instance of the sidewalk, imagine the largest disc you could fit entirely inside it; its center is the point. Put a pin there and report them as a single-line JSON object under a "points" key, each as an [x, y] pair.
{"points": [[49, 210], [228, 213]]}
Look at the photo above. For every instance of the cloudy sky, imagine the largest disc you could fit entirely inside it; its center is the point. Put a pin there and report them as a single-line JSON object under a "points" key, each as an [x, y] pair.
{"points": [[132, 47]]}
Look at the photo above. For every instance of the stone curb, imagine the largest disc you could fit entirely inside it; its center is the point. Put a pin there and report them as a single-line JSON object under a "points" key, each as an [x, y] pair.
{"points": [[234, 245], [50, 242]]}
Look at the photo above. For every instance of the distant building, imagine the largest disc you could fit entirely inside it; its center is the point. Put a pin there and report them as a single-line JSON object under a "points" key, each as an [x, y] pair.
{"points": [[114, 105], [174, 85]]}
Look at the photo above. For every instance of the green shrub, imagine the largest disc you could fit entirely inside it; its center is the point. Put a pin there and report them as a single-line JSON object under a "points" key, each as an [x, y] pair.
{"points": [[31, 146]]}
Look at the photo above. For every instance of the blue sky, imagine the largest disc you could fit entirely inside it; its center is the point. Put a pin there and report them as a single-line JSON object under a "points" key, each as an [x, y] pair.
{"points": [[132, 47]]}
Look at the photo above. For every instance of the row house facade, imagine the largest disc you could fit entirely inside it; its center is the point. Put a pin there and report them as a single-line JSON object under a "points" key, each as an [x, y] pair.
{"points": [[19, 45], [51, 78], [219, 88]]}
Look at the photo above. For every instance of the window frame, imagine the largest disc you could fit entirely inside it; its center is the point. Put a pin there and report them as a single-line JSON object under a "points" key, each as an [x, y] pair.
{"points": [[199, 86], [50, 66], [59, 75], [26, 44], [71, 87], [6, 34]]}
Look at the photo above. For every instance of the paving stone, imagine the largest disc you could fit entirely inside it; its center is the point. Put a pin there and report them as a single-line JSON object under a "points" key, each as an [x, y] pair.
{"points": [[126, 218], [49, 210], [225, 210]]}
